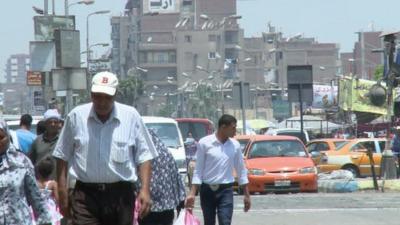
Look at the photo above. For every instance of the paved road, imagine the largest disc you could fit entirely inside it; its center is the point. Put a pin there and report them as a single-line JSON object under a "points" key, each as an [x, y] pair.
{"points": [[368, 208]]}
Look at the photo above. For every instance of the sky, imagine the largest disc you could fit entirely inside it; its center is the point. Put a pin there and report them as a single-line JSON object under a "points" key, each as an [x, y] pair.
{"points": [[328, 21]]}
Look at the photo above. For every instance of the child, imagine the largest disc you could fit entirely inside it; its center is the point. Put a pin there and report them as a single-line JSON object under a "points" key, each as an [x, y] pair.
{"points": [[48, 188]]}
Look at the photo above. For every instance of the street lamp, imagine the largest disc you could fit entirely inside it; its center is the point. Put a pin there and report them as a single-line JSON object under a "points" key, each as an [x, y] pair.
{"points": [[87, 39], [66, 5]]}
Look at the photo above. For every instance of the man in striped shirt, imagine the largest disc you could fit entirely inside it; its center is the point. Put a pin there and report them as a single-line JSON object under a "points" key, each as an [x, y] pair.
{"points": [[103, 143]]}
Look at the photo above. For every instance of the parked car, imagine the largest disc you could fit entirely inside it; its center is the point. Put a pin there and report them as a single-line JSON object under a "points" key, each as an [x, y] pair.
{"points": [[279, 164], [243, 140], [167, 130], [316, 146], [295, 132], [353, 157], [14, 124], [198, 127]]}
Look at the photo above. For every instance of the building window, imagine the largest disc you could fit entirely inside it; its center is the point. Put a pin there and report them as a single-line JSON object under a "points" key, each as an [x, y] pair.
{"points": [[212, 38], [187, 2], [188, 38], [211, 55]]}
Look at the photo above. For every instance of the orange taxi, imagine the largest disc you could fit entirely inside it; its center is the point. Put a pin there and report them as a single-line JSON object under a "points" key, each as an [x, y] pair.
{"points": [[353, 157], [317, 146], [279, 164]]}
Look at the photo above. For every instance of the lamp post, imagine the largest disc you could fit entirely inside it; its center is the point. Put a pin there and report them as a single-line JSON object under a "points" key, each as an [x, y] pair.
{"points": [[67, 5], [87, 41]]}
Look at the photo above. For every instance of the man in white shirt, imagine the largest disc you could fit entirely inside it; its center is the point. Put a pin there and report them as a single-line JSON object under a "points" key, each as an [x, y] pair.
{"points": [[102, 143], [217, 156]]}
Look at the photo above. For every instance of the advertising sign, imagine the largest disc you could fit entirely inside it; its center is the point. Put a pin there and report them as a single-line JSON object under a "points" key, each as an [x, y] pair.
{"points": [[96, 66], [45, 26], [324, 96], [354, 95], [34, 78], [281, 109], [67, 48], [69, 79], [161, 6], [43, 55]]}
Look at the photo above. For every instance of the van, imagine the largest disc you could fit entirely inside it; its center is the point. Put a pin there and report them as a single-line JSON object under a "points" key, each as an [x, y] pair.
{"points": [[198, 127], [167, 130]]}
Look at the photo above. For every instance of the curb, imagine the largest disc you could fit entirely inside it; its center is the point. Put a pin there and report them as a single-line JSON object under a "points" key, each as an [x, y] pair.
{"points": [[393, 185], [345, 185], [337, 186]]}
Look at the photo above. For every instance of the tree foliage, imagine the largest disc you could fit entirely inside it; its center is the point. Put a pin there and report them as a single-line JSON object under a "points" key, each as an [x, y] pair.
{"points": [[129, 90], [378, 74]]}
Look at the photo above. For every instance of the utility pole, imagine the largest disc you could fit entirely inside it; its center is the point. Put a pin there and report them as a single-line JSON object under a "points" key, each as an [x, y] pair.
{"points": [[388, 166]]}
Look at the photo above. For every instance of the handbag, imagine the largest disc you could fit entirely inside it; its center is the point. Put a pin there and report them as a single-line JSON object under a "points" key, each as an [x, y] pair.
{"points": [[136, 212], [187, 218]]}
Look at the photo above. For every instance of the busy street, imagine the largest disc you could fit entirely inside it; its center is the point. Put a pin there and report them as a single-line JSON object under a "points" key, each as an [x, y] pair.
{"points": [[200, 112], [331, 209]]}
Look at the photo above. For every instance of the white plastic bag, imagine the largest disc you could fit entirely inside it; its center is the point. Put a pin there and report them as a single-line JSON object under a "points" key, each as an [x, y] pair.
{"points": [[186, 217]]}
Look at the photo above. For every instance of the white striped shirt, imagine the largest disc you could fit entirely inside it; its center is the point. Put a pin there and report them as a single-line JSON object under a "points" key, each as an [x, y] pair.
{"points": [[107, 152], [216, 161]]}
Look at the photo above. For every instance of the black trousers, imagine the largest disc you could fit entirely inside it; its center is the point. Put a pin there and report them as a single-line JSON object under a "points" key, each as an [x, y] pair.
{"points": [[158, 218], [103, 204]]}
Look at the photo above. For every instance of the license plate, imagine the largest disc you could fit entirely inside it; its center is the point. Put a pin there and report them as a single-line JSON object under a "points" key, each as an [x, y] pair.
{"points": [[281, 183]]}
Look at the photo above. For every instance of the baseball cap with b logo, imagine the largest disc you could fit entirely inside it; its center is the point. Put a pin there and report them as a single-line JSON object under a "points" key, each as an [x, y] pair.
{"points": [[104, 82]]}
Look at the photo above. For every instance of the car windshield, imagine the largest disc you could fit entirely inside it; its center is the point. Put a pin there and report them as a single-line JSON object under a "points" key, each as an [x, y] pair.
{"points": [[278, 148], [167, 132], [243, 143], [197, 129]]}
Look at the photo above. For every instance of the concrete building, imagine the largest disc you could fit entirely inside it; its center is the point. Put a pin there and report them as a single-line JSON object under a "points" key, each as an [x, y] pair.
{"points": [[16, 92], [168, 49], [323, 57], [366, 55], [16, 68]]}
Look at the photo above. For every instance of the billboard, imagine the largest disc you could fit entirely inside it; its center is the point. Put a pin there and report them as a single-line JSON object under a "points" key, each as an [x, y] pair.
{"points": [[44, 26], [300, 78], [161, 6], [354, 96], [67, 48], [42, 54], [324, 96], [67, 79]]}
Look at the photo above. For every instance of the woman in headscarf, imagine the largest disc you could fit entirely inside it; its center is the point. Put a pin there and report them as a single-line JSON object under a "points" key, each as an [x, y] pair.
{"points": [[18, 188], [167, 189]]}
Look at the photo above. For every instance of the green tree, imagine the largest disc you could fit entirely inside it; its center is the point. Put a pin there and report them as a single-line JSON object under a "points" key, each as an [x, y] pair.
{"points": [[129, 90], [378, 74], [203, 102]]}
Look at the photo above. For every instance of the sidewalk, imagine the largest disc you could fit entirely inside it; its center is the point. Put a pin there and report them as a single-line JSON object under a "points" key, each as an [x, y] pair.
{"points": [[359, 184]]}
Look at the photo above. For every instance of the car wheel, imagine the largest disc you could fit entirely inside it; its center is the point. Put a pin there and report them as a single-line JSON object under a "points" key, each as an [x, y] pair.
{"points": [[353, 170]]}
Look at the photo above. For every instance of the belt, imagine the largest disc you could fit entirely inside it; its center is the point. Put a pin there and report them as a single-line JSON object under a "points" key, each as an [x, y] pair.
{"points": [[104, 186], [215, 187]]}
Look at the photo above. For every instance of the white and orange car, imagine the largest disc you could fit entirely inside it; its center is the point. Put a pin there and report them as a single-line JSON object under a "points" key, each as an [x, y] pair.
{"points": [[353, 157]]}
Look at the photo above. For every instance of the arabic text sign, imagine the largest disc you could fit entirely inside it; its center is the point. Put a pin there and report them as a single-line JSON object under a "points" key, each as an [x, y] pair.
{"points": [[161, 6], [34, 78]]}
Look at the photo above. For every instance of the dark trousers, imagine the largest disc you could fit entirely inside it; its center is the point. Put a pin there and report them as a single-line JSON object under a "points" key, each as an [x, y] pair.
{"points": [[216, 202], [158, 218], [96, 204]]}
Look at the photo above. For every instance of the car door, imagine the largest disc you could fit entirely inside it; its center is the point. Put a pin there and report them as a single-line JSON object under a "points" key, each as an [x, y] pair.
{"points": [[315, 149], [365, 163]]}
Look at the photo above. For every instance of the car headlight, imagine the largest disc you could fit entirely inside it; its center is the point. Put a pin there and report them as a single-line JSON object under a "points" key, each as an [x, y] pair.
{"points": [[308, 170], [256, 172]]}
